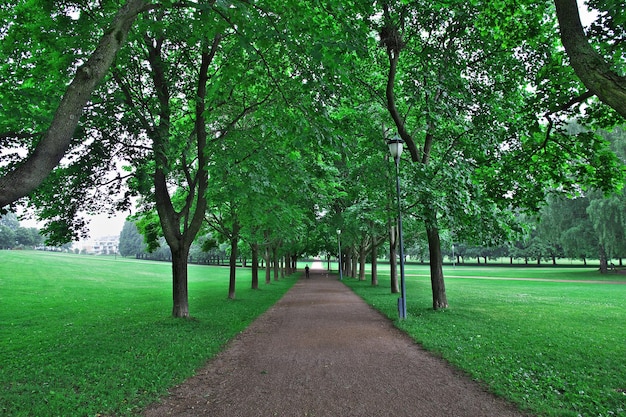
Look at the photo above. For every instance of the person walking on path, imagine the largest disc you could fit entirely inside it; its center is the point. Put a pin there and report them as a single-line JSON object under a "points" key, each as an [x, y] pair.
{"points": [[306, 271], [321, 351]]}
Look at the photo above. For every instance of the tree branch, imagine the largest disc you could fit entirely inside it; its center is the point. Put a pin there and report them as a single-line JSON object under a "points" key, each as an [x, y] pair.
{"points": [[56, 141], [589, 65]]}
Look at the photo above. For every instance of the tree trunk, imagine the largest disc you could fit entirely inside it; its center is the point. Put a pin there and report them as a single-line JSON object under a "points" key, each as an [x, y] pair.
{"points": [[276, 262], [283, 266], [393, 262], [267, 265], [255, 265], [440, 299], [604, 264], [179, 281], [362, 256], [234, 240], [374, 253]]}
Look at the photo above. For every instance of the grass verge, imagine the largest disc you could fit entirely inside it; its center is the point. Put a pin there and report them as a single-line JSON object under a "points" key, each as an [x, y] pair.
{"points": [[553, 348], [92, 336]]}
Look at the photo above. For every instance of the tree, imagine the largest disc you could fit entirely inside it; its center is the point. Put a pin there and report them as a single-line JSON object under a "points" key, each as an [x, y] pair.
{"points": [[12, 234], [10, 221], [205, 76], [131, 241], [176, 127], [7, 237], [27, 236]]}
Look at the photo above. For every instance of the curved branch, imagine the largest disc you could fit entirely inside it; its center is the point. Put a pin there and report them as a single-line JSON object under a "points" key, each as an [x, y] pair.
{"points": [[393, 110], [589, 66], [56, 141]]}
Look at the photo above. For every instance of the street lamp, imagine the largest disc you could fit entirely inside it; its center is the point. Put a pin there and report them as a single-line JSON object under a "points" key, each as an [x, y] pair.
{"points": [[453, 257], [339, 243], [395, 147]]}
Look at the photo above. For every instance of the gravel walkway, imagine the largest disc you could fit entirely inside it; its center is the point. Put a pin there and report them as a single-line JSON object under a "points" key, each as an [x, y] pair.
{"points": [[321, 351]]}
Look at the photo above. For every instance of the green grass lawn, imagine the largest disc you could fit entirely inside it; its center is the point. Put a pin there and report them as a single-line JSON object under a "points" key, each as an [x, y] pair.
{"points": [[554, 348], [89, 336]]}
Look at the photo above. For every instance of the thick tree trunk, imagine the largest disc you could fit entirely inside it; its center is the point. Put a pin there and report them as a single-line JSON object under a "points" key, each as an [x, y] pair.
{"points": [[604, 264], [179, 282], [255, 265], [440, 299]]}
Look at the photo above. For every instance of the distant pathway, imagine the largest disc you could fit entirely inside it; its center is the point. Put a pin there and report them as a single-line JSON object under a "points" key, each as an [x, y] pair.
{"points": [[322, 352]]}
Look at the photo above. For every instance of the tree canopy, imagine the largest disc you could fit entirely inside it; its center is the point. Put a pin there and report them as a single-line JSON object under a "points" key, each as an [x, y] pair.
{"points": [[267, 123]]}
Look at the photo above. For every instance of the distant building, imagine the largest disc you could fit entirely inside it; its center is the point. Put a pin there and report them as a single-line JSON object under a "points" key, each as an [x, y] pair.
{"points": [[105, 245]]}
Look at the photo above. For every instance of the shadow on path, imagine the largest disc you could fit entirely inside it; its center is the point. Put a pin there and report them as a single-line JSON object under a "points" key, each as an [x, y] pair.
{"points": [[321, 351]]}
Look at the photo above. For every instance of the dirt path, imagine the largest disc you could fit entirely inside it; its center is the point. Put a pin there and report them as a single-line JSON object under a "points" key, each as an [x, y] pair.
{"points": [[322, 352]]}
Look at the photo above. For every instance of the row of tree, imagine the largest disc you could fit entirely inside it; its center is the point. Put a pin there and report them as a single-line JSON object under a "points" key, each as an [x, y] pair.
{"points": [[12, 235], [266, 124]]}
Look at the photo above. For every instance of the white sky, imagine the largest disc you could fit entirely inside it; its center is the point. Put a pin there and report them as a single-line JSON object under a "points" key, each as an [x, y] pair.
{"points": [[102, 225], [99, 226]]}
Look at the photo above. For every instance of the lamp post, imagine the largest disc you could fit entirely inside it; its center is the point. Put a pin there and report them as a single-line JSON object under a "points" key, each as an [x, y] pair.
{"points": [[339, 243], [453, 257], [395, 147]]}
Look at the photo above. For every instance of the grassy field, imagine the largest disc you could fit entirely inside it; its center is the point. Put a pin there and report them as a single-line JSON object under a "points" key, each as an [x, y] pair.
{"points": [[92, 336], [554, 348]]}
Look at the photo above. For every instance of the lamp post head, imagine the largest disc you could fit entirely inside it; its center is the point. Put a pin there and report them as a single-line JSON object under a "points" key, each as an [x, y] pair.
{"points": [[338, 231], [395, 147]]}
